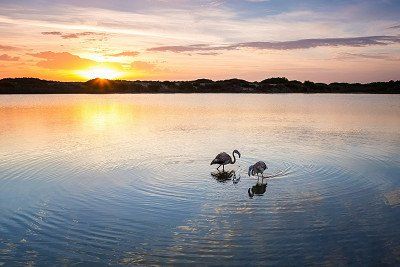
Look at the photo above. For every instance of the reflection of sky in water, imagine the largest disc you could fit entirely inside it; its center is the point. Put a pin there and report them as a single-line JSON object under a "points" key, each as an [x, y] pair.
{"points": [[126, 179]]}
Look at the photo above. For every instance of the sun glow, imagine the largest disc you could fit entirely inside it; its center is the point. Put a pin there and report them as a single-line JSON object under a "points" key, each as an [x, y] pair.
{"points": [[100, 72]]}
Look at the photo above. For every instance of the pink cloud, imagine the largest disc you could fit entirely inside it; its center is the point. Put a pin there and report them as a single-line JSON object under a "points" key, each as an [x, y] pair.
{"points": [[73, 35], [6, 57], [286, 45], [143, 66], [7, 47], [62, 60], [68, 61], [126, 54]]}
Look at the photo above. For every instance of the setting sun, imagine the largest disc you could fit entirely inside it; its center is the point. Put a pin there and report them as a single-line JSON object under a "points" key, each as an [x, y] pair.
{"points": [[100, 72]]}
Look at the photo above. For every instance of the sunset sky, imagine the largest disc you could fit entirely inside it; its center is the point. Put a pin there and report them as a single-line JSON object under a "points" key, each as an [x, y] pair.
{"points": [[351, 41]]}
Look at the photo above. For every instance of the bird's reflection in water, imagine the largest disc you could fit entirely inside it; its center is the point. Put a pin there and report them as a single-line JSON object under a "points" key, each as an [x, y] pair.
{"points": [[225, 176], [258, 189]]}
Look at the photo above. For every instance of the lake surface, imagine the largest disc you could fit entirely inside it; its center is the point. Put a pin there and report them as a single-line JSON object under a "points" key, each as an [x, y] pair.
{"points": [[126, 179]]}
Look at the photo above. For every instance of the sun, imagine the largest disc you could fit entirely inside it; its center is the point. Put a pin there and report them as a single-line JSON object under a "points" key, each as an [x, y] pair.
{"points": [[100, 72]]}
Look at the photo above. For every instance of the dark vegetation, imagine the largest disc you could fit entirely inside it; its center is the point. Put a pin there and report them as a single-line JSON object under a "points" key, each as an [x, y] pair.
{"points": [[267, 86]]}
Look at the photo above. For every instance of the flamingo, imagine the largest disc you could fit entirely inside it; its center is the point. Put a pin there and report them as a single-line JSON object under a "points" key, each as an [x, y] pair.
{"points": [[224, 159], [257, 168]]}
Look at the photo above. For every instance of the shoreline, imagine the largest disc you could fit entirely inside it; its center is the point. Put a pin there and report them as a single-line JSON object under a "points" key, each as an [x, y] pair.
{"points": [[200, 86]]}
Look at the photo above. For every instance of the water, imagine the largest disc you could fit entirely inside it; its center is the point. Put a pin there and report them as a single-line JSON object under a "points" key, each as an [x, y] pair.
{"points": [[126, 179]]}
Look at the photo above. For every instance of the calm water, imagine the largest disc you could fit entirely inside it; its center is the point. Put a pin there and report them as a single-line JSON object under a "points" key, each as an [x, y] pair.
{"points": [[126, 179]]}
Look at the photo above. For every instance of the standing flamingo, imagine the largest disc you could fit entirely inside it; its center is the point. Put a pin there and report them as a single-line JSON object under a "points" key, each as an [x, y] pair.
{"points": [[257, 168], [223, 159]]}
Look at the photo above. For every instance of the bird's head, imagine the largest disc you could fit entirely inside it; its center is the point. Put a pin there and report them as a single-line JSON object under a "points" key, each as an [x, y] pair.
{"points": [[250, 170], [250, 192], [237, 152]]}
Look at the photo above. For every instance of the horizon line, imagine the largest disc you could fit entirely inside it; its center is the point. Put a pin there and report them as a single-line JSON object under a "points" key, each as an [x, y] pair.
{"points": [[193, 80]]}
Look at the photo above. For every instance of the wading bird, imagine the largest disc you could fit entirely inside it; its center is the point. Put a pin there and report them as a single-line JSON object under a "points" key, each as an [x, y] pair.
{"points": [[224, 159], [257, 168]]}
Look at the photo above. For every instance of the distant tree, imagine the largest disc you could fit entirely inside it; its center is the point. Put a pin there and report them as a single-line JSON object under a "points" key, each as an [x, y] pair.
{"points": [[279, 80], [271, 85]]}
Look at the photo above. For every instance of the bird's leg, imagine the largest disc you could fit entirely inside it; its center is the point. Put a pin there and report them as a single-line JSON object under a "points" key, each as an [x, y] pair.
{"points": [[223, 168], [218, 167]]}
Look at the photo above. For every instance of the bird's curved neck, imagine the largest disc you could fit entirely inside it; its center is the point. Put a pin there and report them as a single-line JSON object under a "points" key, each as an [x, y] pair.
{"points": [[234, 158]]}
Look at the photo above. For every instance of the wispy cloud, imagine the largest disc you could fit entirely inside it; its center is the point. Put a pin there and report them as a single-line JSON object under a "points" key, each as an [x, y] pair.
{"points": [[330, 42], [378, 56], [143, 66], [188, 48], [6, 57], [80, 34], [8, 48], [52, 33], [62, 60], [156, 24], [126, 54], [73, 35], [67, 61], [286, 45], [208, 53]]}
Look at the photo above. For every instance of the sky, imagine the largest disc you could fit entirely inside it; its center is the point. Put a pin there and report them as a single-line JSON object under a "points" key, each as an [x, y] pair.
{"points": [[321, 41]]}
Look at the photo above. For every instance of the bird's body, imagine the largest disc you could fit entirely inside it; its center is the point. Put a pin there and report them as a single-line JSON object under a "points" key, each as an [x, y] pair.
{"points": [[258, 168], [223, 159]]}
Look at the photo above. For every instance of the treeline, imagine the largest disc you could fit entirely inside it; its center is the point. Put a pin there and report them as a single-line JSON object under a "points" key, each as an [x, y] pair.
{"points": [[267, 86]]}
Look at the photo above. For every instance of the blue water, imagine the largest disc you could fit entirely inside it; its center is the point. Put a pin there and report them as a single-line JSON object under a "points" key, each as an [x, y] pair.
{"points": [[126, 179]]}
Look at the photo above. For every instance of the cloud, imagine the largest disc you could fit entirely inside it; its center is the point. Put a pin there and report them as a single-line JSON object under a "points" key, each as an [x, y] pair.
{"points": [[188, 48], [208, 53], [126, 54], [143, 66], [154, 24], [286, 45], [7, 47], [6, 57], [67, 61], [62, 60], [379, 56], [80, 34], [52, 33], [73, 35], [327, 42]]}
